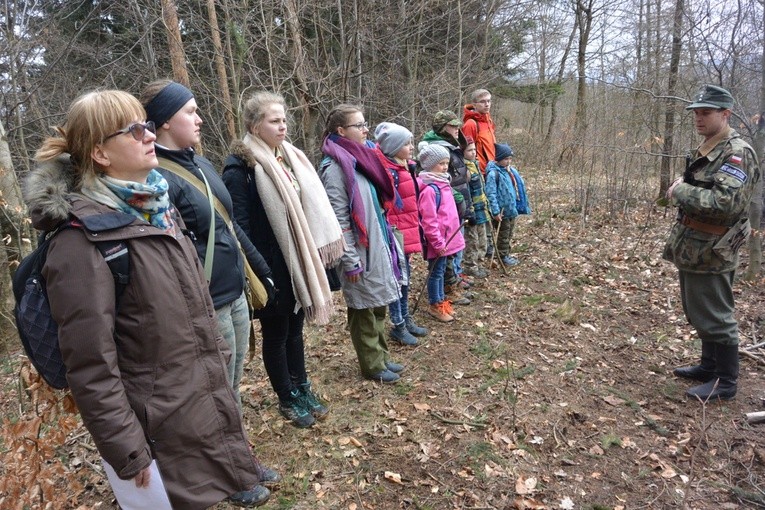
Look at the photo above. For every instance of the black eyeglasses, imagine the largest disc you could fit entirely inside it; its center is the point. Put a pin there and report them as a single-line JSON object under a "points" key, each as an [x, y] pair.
{"points": [[359, 126], [138, 130]]}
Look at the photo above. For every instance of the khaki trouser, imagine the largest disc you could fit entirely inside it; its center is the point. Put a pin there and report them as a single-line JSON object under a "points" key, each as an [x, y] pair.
{"points": [[367, 327], [475, 245], [506, 227]]}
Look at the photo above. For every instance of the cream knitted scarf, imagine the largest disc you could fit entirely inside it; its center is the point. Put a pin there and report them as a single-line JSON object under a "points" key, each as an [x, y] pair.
{"points": [[305, 226]]}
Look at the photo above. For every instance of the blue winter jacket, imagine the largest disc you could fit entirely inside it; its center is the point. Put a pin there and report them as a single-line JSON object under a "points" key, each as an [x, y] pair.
{"points": [[503, 194]]}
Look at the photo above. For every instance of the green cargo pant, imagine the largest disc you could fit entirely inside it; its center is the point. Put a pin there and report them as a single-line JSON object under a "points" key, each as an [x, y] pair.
{"points": [[504, 236], [708, 306], [367, 327]]}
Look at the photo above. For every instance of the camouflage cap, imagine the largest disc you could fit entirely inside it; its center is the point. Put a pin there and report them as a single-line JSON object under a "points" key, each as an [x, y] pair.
{"points": [[445, 117], [711, 96]]}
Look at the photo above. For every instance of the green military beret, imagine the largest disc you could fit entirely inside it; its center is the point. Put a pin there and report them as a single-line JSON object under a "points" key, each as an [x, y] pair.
{"points": [[711, 96]]}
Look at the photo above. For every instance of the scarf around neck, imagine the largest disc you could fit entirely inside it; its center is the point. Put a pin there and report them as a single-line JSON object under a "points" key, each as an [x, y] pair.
{"points": [[428, 177], [149, 202], [355, 157], [305, 225]]}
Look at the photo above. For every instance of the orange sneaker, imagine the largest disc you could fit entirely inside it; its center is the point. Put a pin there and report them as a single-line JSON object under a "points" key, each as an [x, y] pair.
{"points": [[448, 306], [438, 312]]}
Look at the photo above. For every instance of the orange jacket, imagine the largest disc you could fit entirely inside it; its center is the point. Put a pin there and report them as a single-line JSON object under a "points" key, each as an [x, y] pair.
{"points": [[480, 128]]}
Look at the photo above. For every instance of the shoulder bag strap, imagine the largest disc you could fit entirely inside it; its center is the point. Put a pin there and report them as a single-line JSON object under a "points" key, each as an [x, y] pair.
{"points": [[184, 174]]}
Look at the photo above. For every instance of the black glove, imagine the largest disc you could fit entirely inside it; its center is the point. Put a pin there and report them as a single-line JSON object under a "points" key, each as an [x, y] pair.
{"points": [[271, 291], [471, 221]]}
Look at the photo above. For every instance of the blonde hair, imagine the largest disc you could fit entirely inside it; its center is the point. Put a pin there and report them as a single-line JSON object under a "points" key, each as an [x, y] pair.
{"points": [[91, 118], [338, 117], [478, 94], [255, 107]]}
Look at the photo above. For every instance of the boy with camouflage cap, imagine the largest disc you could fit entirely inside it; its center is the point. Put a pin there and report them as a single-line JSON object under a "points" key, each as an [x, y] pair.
{"points": [[713, 199]]}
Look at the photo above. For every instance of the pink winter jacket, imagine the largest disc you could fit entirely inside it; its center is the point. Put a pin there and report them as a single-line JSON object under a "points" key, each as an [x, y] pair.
{"points": [[439, 225], [406, 219]]}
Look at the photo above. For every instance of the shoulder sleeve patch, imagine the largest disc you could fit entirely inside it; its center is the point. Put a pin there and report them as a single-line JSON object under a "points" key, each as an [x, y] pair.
{"points": [[733, 171], [736, 160]]}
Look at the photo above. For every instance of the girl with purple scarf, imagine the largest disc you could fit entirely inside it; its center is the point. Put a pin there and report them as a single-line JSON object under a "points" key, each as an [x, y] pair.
{"points": [[360, 190]]}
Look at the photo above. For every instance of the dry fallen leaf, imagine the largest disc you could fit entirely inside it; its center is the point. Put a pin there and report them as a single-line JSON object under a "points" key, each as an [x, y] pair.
{"points": [[393, 477], [421, 407], [614, 401], [525, 485]]}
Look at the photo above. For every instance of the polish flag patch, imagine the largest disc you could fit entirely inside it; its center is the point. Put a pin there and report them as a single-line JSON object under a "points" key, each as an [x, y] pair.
{"points": [[736, 160]]}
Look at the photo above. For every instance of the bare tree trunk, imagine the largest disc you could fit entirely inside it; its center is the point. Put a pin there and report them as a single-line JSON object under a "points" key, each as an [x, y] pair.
{"points": [[584, 22], [15, 231], [299, 77], [174, 42], [559, 81], [755, 208], [669, 114], [220, 68]]}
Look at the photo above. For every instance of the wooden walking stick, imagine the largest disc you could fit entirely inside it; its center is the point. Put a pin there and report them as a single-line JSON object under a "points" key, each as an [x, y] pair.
{"points": [[495, 236], [430, 270]]}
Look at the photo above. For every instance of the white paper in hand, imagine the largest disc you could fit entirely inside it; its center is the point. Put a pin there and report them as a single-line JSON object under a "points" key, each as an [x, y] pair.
{"points": [[131, 497]]}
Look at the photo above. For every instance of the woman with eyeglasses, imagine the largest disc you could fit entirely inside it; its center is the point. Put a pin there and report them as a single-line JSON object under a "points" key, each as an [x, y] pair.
{"points": [[147, 370], [281, 206], [360, 190]]}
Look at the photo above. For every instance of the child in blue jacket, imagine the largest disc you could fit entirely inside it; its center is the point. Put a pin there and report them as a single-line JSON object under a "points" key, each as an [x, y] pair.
{"points": [[506, 193]]}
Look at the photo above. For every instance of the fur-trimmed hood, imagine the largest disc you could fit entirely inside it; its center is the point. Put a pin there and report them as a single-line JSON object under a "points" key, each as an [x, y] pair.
{"points": [[46, 192], [240, 150]]}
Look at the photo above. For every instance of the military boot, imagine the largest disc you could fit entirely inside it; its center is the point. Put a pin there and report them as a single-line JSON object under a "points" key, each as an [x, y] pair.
{"points": [[724, 384], [703, 372]]}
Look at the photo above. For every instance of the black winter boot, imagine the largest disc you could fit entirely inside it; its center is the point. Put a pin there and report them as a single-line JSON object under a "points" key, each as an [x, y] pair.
{"points": [[400, 334], [703, 372], [725, 378]]}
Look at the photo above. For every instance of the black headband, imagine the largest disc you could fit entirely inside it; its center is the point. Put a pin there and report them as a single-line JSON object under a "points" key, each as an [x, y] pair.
{"points": [[168, 101]]}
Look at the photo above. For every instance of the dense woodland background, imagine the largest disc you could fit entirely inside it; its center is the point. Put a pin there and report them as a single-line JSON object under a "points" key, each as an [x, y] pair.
{"points": [[560, 372], [590, 88]]}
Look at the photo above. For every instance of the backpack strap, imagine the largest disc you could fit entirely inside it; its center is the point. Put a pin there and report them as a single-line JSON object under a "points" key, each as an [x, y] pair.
{"points": [[437, 191], [115, 254]]}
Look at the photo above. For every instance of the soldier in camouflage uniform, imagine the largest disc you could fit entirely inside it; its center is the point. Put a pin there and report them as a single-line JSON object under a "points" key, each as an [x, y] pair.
{"points": [[713, 199]]}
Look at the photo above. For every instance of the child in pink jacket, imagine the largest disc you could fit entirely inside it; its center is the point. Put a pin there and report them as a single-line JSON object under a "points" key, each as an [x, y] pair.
{"points": [[440, 224]]}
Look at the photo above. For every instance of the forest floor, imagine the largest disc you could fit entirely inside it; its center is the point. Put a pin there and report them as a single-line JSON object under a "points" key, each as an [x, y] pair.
{"points": [[553, 390]]}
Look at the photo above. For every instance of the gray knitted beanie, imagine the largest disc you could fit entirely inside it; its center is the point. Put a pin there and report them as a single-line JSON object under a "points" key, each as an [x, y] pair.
{"points": [[391, 137], [430, 155]]}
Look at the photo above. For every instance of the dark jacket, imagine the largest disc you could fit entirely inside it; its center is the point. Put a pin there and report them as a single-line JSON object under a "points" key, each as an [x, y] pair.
{"points": [[457, 170], [250, 216], [227, 279], [149, 378]]}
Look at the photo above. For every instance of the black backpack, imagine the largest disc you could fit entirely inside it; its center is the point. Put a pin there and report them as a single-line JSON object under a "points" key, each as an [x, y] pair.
{"points": [[37, 329]]}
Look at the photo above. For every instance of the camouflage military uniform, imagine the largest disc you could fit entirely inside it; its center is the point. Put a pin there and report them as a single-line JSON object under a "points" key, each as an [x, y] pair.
{"points": [[712, 224], [719, 195], [713, 198]]}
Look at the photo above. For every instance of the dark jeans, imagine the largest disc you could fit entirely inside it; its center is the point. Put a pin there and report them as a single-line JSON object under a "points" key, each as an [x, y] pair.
{"points": [[283, 351], [399, 309], [436, 280]]}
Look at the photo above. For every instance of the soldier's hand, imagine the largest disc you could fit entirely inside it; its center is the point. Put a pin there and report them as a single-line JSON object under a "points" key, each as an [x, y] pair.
{"points": [[672, 187]]}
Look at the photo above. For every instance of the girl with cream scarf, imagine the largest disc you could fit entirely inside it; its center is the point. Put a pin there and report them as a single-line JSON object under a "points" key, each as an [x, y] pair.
{"points": [[280, 204]]}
